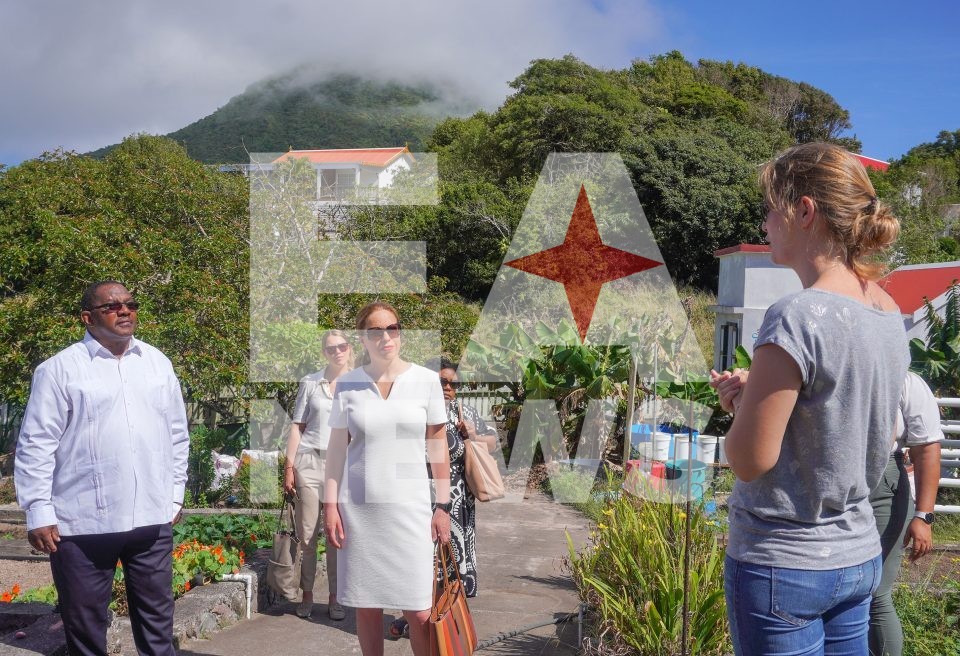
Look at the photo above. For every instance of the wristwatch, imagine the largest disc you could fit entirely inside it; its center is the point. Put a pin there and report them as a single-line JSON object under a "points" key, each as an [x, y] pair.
{"points": [[928, 517], [445, 507]]}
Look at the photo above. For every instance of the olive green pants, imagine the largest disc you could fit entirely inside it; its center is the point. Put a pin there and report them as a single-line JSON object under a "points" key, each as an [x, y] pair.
{"points": [[893, 510]]}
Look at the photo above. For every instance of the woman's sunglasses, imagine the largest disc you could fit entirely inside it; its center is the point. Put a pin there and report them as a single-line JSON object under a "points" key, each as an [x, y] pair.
{"points": [[392, 331], [334, 348], [454, 384]]}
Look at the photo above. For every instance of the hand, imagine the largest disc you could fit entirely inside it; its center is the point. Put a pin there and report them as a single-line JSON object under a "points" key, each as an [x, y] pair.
{"points": [[922, 535], [178, 513], [467, 429], [332, 526], [289, 480], [729, 386], [44, 538], [440, 526]]}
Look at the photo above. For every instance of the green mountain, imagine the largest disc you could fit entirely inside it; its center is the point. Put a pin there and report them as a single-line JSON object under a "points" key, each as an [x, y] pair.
{"points": [[295, 111]]}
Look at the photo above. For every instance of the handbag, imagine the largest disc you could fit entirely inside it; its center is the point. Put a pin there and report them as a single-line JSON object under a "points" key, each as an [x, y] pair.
{"points": [[480, 470], [283, 569], [451, 625]]}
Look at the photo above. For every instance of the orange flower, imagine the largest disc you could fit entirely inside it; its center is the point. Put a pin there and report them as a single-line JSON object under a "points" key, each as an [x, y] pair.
{"points": [[6, 596], [221, 560], [218, 550], [253, 538], [16, 589], [186, 586]]}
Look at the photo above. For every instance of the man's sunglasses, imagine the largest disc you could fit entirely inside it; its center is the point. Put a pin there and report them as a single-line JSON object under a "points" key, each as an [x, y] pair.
{"points": [[454, 384], [392, 331], [113, 308], [333, 348]]}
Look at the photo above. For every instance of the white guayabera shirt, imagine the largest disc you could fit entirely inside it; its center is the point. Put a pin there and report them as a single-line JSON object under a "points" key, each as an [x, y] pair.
{"points": [[104, 442]]}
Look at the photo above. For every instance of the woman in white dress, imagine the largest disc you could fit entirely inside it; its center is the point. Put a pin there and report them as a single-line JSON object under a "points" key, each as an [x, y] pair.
{"points": [[304, 471], [377, 506]]}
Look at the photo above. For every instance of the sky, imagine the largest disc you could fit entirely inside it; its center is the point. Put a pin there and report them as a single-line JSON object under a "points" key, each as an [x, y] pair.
{"points": [[80, 76]]}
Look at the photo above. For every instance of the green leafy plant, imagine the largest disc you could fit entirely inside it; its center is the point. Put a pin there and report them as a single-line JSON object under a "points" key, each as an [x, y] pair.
{"points": [[192, 560], [632, 574], [46, 594], [937, 359], [243, 532]]}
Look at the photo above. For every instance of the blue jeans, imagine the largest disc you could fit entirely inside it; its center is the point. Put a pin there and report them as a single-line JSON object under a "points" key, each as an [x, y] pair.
{"points": [[780, 611]]}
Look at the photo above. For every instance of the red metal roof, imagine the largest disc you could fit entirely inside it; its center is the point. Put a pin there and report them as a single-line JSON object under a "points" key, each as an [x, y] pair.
{"points": [[872, 163], [909, 285], [365, 156], [742, 248]]}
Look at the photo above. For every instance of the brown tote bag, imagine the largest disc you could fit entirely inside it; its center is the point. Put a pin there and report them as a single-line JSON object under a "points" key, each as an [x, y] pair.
{"points": [[451, 626], [481, 471], [283, 570]]}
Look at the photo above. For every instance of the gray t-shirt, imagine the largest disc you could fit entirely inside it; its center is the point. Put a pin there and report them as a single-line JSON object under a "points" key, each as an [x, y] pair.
{"points": [[812, 510]]}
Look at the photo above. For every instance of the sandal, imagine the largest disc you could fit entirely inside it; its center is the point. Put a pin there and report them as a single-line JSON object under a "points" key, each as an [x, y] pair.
{"points": [[399, 629]]}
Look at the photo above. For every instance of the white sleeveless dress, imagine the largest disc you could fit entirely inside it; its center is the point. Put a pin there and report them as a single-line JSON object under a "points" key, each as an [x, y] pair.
{"points": [[385, 503]]}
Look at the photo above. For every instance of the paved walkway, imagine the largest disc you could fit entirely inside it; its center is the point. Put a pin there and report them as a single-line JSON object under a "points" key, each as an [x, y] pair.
{"points": [[521, 548]]}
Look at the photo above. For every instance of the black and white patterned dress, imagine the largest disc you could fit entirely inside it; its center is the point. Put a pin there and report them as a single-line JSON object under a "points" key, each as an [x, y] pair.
{"points": [[463, 515]]}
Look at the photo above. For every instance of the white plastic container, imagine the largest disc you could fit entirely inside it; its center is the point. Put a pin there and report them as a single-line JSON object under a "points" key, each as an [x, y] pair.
{"points": [[708, 448], [681, 447], [661, 445], [721, 439]]}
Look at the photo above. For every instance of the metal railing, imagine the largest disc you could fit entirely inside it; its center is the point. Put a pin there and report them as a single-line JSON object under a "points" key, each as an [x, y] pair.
{"points": [[949, 455]]}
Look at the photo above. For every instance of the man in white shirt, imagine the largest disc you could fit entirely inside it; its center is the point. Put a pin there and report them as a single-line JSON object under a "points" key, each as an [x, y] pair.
{"points": [[101, 470]]}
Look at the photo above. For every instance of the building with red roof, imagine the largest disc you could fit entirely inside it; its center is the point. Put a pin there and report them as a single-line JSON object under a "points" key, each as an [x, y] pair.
{"points": [[912, 284], [352, 174], [750, 282]]}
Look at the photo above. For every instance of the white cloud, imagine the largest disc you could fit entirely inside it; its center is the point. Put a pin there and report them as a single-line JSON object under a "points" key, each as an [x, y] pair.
{"points": [[88, 74]]}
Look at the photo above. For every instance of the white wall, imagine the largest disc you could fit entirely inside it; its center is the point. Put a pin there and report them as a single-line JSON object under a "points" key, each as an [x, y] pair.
{"points": [[387, 175]]}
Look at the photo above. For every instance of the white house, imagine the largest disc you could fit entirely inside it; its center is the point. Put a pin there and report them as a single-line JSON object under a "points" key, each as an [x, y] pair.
{"points": [[347, 174], [749, 283]]}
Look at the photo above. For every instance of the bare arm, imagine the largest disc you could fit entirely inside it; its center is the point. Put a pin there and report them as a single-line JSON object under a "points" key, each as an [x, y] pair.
{"points": [[336, 456], [926, 474], [762, 411], [439, 458], [293, 443]]}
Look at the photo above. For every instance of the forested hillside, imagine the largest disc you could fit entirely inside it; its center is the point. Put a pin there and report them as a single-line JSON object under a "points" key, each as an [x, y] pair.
{"points": [[342, 111]]}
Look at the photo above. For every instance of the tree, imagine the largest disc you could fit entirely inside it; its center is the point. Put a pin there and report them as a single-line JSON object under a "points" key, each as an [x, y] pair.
{"points": [[169, 228]]}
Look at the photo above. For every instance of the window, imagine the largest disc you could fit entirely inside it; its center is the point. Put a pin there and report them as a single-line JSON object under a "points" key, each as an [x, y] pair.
{"points": [[729, 341]]}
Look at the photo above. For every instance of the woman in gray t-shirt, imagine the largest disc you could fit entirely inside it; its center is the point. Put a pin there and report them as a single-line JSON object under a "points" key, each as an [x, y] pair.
{"points": [[814, 424]]}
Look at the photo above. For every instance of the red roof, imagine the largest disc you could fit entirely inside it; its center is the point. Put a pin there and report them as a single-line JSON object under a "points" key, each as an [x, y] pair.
{"points": [[742, 248], [364, 156], [909, 285], [872, 163]]}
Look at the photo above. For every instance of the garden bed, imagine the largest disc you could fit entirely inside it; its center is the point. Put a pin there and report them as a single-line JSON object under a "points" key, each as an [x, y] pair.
{"points": [[198, 614]]}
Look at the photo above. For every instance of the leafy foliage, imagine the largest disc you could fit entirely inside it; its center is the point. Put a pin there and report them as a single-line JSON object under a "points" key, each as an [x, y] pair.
{"points": [[632, 573], [938, 359], [147, 215]]}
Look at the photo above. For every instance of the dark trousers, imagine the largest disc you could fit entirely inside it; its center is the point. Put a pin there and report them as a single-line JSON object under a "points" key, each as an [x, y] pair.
{"points": [[83, 568]]}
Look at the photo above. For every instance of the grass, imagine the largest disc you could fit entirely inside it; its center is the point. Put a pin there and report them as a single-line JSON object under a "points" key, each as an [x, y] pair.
{"points": [[946, 530], [929, 617]]}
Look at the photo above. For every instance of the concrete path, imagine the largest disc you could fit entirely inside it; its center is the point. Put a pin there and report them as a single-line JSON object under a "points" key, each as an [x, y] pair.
{"points": [[521, 548]]}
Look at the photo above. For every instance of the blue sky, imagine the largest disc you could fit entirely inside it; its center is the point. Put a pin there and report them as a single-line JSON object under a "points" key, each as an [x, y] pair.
{"points": [[84, 75], [894, 65]]}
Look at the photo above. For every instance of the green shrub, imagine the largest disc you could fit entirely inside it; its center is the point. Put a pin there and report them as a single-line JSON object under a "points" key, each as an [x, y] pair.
{"points": [[632, 574]]}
